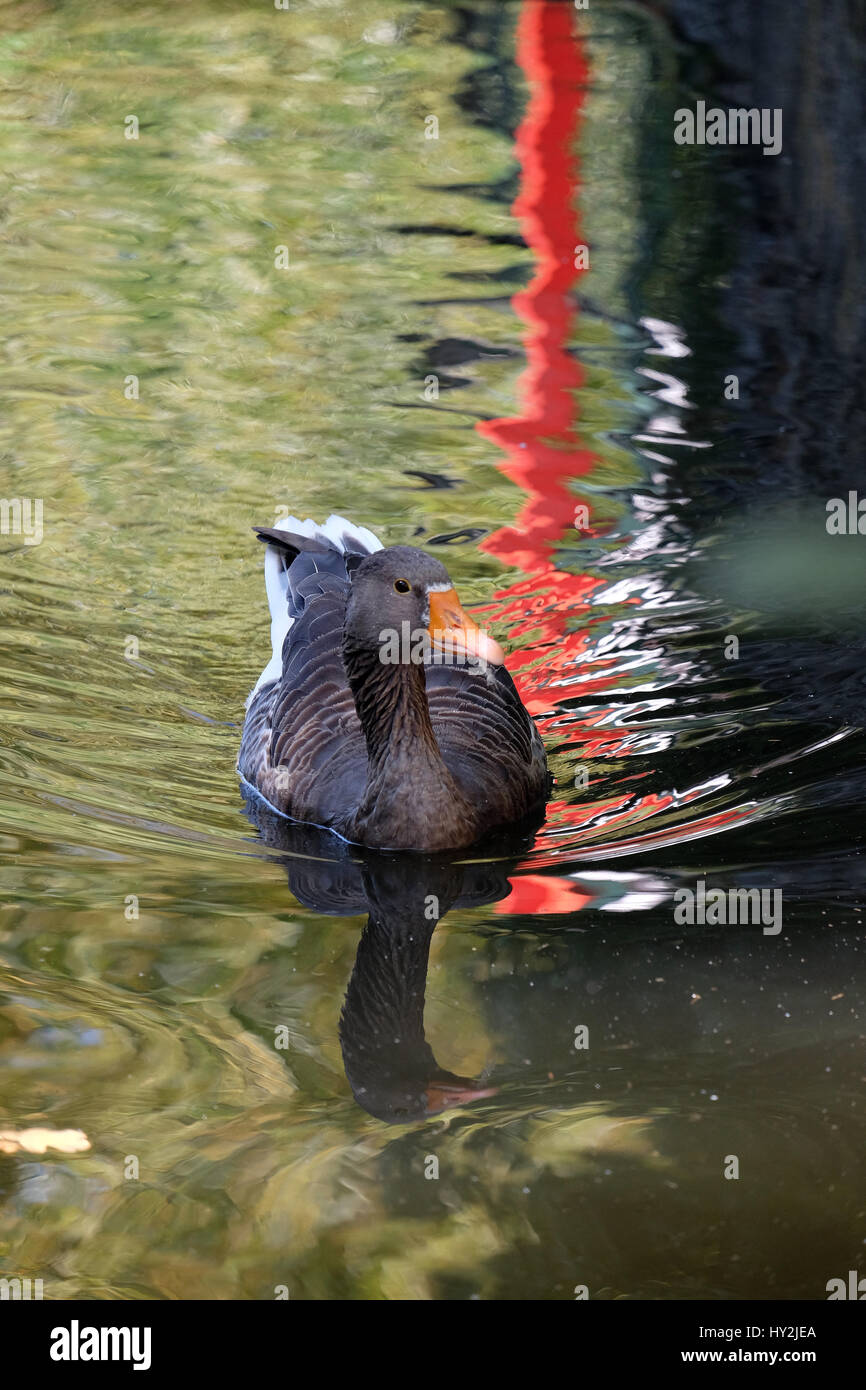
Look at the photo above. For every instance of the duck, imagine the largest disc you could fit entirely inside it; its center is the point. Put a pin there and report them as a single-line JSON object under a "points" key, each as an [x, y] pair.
{"points": [[385, 713]]}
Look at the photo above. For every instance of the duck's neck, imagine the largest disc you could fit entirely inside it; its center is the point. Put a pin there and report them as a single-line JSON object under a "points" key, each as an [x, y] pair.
{"points": [[391, 700], [411, 801], [389, 1064], [382, 1021]]}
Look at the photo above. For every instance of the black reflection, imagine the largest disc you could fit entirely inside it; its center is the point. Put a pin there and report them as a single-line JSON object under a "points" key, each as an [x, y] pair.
{"points": [[389, 1063], [490, 94]]}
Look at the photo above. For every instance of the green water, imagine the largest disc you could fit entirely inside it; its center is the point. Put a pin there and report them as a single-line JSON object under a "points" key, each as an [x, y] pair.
{"points": [[150, 944]]}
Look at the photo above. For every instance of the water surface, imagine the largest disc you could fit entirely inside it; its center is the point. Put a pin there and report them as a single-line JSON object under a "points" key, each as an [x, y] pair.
{"points": [[434, 364]]}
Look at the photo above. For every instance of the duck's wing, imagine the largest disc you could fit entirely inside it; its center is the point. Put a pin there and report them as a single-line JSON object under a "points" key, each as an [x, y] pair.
{"points": [[317, 754], [487, 738], [302, 745], [295, 550]]}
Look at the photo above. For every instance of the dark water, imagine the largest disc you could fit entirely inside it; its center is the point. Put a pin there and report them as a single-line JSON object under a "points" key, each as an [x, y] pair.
{"points": [[288, 1074]]}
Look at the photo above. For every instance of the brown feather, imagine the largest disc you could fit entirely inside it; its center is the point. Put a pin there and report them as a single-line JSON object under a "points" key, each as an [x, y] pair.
{"points": [[444, 755]]}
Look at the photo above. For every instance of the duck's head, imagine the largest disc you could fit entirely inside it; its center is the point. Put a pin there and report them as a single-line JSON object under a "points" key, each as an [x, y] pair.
{"points": [[404, 607], [398, 1099]]}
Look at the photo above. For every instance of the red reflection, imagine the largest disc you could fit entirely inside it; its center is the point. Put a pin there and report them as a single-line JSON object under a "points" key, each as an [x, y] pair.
{"points": [[542, 449], [534, 895], [543, 455]]}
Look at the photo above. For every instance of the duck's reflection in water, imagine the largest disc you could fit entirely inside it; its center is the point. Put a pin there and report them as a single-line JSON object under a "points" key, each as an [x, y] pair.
{"points": [[389, 1064]]}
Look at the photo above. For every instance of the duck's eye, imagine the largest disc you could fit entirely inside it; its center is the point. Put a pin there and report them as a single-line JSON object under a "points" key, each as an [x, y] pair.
{"points": [[402, 586]]}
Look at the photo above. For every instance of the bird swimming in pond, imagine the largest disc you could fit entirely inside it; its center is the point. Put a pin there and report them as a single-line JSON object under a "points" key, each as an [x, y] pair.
{"points": [[385, 713]]}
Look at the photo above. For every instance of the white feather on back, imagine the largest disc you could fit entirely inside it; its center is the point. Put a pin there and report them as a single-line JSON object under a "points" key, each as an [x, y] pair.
{"points": [[335, 532], [337, 527]]}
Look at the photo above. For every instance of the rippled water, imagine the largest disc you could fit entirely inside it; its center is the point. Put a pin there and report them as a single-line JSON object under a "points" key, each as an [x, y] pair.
{"points": [[434, 364]]}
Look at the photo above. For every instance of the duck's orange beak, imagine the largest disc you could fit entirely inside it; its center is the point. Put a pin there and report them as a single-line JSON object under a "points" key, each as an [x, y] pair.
{"points": [[444, 1096], [452, 630]]}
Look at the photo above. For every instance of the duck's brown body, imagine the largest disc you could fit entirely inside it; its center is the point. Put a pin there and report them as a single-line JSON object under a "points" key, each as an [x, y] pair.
{"points": [[396, 756]]}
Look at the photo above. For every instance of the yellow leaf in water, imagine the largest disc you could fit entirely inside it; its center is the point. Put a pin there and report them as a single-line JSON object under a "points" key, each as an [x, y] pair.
{"points": [[36, 1141]]}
